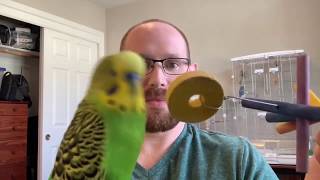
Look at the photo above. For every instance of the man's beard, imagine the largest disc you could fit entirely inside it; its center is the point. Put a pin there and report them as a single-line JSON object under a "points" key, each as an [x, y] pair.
{"points": [[158, 119]]}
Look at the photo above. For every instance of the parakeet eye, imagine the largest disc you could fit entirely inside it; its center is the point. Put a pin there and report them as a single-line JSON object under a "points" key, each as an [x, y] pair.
{"points": [[111, 102]]}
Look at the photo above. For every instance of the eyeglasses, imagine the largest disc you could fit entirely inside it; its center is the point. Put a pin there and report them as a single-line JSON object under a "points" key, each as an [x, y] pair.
{"points": [[172, 66]]}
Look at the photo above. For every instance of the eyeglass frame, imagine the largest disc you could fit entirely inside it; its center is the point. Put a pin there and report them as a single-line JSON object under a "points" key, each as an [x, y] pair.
{"points": [[162, 60]]}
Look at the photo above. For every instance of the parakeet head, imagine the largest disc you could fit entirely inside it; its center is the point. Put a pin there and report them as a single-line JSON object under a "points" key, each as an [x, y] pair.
{"points": [[117, 82]]}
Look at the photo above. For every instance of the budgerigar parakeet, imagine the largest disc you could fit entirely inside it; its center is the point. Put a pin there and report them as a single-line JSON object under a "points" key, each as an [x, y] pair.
{"points": [[105, 135]]}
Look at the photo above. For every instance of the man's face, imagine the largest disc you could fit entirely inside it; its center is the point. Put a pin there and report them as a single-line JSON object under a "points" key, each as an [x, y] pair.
{"points": [[157, 40]]}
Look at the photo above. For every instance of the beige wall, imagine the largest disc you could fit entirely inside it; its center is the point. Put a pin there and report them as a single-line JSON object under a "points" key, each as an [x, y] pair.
{"points": [[219, 30], [81, 11]]}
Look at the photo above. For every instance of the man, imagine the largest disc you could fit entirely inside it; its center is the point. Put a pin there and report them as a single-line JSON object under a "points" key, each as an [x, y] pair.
{"points": [[173, 149]]}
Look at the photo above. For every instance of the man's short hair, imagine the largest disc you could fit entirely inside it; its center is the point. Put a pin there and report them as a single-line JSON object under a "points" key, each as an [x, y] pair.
{"points": [[124, 38]]}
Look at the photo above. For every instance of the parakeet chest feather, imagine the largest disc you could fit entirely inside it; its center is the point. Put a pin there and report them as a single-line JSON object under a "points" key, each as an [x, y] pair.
{"points": [[125, 133]]}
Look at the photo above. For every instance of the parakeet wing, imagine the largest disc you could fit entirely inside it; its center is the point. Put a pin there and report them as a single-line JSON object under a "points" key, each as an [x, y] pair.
{"points": [[81, 150]]}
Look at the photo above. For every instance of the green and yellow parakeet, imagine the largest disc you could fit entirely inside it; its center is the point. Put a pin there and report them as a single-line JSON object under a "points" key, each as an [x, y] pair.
{"points": [[104, 138]]}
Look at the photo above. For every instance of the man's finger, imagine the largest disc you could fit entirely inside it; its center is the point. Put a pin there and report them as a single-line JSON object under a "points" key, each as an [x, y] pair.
{"points": [[317, 148]]}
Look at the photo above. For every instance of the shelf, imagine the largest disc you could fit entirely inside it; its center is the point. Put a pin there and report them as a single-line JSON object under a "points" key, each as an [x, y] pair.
{"points": [[18, 52]]}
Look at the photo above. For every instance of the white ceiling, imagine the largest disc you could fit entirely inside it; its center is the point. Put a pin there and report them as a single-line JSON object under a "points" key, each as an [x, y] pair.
{"points": [[112, 3]]}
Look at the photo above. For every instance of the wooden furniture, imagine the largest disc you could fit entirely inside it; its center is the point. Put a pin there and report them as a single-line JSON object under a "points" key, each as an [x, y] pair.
{"points": [[13, 140], [18, 52]]}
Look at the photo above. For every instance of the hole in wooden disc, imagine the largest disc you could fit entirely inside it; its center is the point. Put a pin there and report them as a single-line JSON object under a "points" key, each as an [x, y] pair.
{"points": [[196, 100]]}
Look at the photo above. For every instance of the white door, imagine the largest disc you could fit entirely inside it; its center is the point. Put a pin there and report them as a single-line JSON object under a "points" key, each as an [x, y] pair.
{"points": [[65, 69]]}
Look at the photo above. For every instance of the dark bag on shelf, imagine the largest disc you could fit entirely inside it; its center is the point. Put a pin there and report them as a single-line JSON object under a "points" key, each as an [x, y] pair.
{"points": [[15, 87]]}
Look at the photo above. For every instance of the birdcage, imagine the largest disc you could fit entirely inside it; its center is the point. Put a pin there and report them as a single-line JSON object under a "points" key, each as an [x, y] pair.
{"points": [[271, 76]]}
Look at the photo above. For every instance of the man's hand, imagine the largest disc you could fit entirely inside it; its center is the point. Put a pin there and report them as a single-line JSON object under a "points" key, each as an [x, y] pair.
{"points": [[314, 162], [317, 148]]}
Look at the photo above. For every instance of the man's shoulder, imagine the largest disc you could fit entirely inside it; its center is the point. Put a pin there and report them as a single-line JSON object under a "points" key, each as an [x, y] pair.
{"points": [[214, 137]]}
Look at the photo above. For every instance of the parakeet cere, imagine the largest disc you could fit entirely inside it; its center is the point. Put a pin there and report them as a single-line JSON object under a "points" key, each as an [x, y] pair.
{"points": [[104, 137]]}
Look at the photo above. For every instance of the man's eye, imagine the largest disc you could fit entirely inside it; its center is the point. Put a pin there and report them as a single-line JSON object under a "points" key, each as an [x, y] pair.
{"points": [[172, 65]]}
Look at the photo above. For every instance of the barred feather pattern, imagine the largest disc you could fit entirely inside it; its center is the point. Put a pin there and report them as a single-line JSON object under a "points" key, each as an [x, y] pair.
{"points": [[80, 154]]}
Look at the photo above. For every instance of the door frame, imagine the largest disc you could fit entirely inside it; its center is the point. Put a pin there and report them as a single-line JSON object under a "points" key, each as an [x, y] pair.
{"points": [[43, 19]]}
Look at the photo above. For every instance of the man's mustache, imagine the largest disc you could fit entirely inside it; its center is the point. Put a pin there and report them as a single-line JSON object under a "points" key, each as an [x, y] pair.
{"points": [[155, 94]]}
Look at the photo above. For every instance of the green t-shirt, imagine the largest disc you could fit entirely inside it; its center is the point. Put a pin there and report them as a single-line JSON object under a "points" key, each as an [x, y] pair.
{"points": [[202, 155]]}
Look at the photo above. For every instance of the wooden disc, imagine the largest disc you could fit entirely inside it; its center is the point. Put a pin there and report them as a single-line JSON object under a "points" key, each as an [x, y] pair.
{"points": [[194, 97]]}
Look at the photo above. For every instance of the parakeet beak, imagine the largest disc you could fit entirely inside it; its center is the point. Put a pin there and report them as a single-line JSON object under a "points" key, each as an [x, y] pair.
{"points": [[133, 80]]}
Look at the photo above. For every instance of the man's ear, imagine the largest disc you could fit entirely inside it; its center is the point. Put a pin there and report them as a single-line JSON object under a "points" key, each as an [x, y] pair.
{"points": [[193, 67]]}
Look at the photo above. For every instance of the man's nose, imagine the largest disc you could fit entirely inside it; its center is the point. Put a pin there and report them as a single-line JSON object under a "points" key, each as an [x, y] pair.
{"points": [[157, 77]]}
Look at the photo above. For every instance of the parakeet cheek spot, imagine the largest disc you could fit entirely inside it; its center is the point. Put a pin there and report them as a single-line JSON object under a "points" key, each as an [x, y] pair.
{"points": [[112, 90], [111, 102], [122, 108]]}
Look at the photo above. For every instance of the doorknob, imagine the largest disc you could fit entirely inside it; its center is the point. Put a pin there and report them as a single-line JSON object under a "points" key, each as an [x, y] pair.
{"points": [[48, 137]]}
